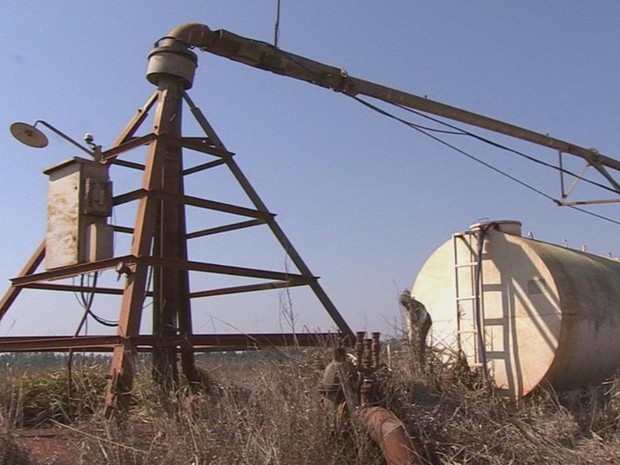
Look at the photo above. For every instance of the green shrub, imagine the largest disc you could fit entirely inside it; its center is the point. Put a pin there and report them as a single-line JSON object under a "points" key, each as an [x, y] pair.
{"points": [[42, 397]]}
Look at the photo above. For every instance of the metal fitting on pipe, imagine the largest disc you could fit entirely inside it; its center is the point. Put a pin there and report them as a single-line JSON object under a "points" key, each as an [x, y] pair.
{"points": [[376, 350], [191, 34], [174, 60], [359, 346], [339, 381], [172, 55]]}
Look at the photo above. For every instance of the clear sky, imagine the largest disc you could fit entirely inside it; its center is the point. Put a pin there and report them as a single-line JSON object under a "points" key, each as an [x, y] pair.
{"points": [[364, 199]]}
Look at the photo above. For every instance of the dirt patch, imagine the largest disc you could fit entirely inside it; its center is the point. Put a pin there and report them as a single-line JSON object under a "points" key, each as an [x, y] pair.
{"points": [[49, 446]]}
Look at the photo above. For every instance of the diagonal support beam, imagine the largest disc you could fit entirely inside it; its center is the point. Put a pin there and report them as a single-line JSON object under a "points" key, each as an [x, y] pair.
{"points": [[30, 267], [270, 220]]}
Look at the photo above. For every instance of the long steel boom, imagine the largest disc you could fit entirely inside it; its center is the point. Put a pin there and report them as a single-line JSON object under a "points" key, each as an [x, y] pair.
{"points": [[267, 57]]}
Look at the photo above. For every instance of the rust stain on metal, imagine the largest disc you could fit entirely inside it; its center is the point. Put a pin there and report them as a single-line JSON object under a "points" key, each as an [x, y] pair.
{"points": [[389, 433], [349, 388]]}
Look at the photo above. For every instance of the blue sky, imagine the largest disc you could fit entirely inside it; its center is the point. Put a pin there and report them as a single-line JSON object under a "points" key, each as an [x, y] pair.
{"points": [[364, 199]]}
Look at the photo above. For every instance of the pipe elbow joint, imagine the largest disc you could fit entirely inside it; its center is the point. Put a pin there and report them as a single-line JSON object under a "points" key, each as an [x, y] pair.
{"points": [[172, 55], [191, 34]]}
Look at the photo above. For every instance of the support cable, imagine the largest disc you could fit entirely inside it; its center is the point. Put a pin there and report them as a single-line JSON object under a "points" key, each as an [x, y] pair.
{"points": [[459, 131], [86, 299], [478, 160], [506, 148]]}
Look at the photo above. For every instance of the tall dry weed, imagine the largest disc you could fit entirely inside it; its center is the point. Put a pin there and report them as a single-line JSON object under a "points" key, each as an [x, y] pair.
{"points": [[265, 410]]}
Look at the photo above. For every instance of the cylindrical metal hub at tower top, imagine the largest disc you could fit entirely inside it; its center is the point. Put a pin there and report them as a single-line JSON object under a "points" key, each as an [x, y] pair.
{"points": [[172, 60], [548, 313]]}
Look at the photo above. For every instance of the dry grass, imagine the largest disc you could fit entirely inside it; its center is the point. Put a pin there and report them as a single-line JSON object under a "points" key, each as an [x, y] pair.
{"points": [[10, 453], [266, 412], [262, 412], [456, 420]]}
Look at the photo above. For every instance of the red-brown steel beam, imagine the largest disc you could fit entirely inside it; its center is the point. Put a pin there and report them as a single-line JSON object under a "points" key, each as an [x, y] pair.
{"points": [[198, 342], [131, 144], [260, 206], [137, 119], [223, 269], [29, 268], [73, 288], [251, 288], [204, 145], [122, 367], [70, 271], [203, 167], [128, 164], [171, 293], [184, 308], [225, 228], [225, 207]]}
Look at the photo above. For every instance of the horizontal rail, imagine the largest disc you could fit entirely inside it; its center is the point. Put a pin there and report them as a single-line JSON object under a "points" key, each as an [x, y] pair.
{"points": [[251, 288], [226, 228], [198, 342], [70, 271]]}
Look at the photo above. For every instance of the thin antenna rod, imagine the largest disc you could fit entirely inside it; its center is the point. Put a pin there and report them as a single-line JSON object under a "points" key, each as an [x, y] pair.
{"points": [[276, 32]]}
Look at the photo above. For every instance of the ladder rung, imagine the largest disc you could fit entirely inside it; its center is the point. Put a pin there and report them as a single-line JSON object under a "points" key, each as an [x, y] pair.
{"points": [[467, 331], [462, 234], [463, 265], [469, 297]]}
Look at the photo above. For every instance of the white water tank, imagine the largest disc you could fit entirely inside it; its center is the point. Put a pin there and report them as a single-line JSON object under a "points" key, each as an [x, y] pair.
{"points": [[547, 313]]}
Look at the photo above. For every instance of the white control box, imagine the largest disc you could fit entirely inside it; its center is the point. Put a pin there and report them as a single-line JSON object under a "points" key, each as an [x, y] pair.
{"points": [[79, 203]]}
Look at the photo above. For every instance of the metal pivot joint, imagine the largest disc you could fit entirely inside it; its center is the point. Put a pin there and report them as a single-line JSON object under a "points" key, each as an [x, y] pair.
{"points": [[172, 59]]}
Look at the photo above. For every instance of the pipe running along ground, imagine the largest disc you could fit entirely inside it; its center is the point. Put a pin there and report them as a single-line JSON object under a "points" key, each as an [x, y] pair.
{"points": [[389, 433]]}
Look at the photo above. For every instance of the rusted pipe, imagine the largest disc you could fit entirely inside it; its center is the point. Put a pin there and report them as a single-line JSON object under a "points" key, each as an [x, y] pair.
{"points": [[172, 56], [359, 347], [265, 56], [376, 350], [191, 34], [389, 433]]}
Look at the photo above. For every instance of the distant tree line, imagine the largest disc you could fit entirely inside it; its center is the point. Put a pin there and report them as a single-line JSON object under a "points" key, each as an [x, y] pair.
{"points": [[47, 360], [34, 361]]}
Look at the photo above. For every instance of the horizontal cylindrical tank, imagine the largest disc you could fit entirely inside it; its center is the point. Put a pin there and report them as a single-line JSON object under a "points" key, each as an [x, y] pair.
{"points": [[546, 313]]}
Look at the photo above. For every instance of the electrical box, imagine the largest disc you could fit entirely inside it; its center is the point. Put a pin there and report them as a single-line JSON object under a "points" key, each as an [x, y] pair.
{"points": [[79, 203]]}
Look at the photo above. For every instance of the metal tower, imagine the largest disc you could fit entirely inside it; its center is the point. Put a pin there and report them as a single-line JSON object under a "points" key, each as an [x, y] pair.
{"points": [[159, 250]]}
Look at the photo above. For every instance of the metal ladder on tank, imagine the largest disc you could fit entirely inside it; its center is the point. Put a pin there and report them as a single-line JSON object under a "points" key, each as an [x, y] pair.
{"points": [[465, 299]]}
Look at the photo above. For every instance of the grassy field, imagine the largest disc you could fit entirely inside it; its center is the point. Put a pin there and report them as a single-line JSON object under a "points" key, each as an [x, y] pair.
{"points": [[261, 411]]}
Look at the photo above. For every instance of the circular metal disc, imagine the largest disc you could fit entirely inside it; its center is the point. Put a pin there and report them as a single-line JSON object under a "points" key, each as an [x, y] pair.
{"points": [[28, 135]]}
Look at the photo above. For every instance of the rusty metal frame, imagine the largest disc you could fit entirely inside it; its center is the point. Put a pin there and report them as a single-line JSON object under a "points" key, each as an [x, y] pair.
{"points": [[145, 343], [160, 246], [29, 268], [159, 235], [565, 193], [271, 223], [71, 271]]}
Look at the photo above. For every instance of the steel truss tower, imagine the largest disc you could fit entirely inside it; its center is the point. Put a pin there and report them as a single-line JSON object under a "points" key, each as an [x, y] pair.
{"points": [[159, 247]]}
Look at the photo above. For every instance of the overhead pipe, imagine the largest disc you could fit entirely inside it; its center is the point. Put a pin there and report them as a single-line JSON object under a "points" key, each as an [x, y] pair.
{"points": [[265, 56]]}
